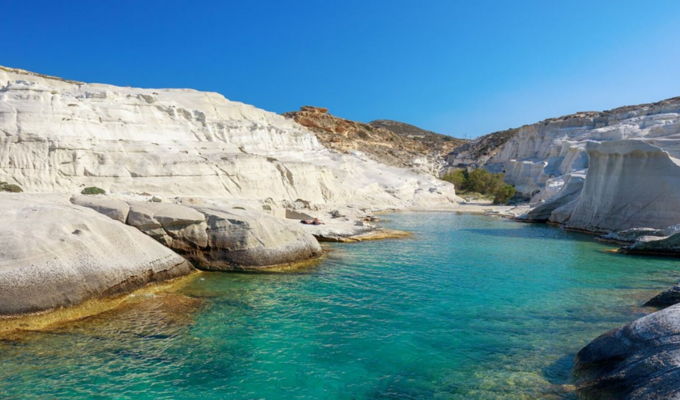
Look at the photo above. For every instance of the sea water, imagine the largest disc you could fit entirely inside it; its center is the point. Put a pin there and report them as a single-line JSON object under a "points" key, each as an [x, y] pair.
{"points": [[469, 307]]}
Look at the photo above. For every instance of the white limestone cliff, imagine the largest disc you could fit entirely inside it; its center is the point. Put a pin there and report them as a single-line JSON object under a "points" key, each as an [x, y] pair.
{"points": [[60, 136], [629, 157]]}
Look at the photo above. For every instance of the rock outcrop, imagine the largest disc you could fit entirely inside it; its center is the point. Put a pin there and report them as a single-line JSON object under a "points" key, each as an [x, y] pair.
{"points": [[629, 157], [639, 361], [214, 237], [388, 142], [56, 254], [630, 184], [666, 298], [61, 136]]}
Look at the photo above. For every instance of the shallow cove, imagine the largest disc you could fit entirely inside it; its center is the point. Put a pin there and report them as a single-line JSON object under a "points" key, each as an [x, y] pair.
{"points": [[469, 307]]}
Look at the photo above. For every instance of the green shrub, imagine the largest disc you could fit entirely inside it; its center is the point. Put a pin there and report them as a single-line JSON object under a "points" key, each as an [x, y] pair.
{"points": [[9, 187], [93, 190], [457, 177], [481, 183], [504, 194]]}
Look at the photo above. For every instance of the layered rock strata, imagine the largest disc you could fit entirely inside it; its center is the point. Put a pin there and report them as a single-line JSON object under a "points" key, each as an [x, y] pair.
{"points": [[61, 136]]}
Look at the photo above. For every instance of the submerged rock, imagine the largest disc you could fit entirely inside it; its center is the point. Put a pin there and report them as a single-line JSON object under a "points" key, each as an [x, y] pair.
{"points": [[57, 254], [662, 245], [666, 298], [636, 362], [631, 235]]}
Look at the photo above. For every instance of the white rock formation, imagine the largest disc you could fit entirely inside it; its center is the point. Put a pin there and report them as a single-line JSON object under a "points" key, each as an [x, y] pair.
{"points": [[213, 236], [54, 254], [629, 157], [629, 184], [60, 136]]}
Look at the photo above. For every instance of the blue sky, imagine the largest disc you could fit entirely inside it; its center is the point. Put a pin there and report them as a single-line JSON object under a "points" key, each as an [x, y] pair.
{"points": [[456, 67]]}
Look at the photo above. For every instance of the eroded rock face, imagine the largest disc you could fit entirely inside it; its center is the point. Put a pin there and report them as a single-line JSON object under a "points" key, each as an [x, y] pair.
{"points": [[639, 361], [112, 208], [57, 254], [61, 136], [630, 183], [223, 238], [568, 193], [628, 155]]}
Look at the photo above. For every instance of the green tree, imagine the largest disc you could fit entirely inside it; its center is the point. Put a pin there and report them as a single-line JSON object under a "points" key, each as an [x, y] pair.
{"points": [[457, 177], [503, 194]]}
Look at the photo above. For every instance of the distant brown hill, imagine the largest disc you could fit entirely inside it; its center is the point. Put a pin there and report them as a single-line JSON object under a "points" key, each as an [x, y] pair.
{"points": [[389, 142], [431, 139]]}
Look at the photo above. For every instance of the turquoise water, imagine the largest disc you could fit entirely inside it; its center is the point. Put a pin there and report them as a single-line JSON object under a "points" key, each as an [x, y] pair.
{"points": [[470, 307]]}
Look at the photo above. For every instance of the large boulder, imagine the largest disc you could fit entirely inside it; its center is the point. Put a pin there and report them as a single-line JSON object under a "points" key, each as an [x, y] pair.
{"points": [[638, 361], [661, 245], [241, 239], [55, 254]]}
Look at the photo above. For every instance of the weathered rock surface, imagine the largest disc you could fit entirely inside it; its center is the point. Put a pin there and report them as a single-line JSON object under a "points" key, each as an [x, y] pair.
{"points": [[631, 235], [61, 136], [217, 237], [666, 298], [112, 208], [660, 245], [628, 155], [568, 192], [54, 254], [639, 361], [630, 184], [242, 238]]}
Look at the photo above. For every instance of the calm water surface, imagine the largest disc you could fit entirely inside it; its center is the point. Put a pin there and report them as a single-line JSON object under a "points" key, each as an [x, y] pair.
{"points": [[469, 308]]}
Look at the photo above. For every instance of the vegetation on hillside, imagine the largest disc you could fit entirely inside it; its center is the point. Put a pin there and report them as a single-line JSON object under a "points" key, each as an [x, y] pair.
{"points": [[92, 190], [9, 187], [483, 182]]}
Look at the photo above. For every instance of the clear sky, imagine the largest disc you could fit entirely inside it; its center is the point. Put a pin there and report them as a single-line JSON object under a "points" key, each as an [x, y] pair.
{"points": [[457, 67]]}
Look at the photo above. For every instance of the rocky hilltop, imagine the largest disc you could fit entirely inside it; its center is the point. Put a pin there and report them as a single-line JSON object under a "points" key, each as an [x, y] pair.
{"points": [[434, 141], [388, 142], [187, 176]]}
